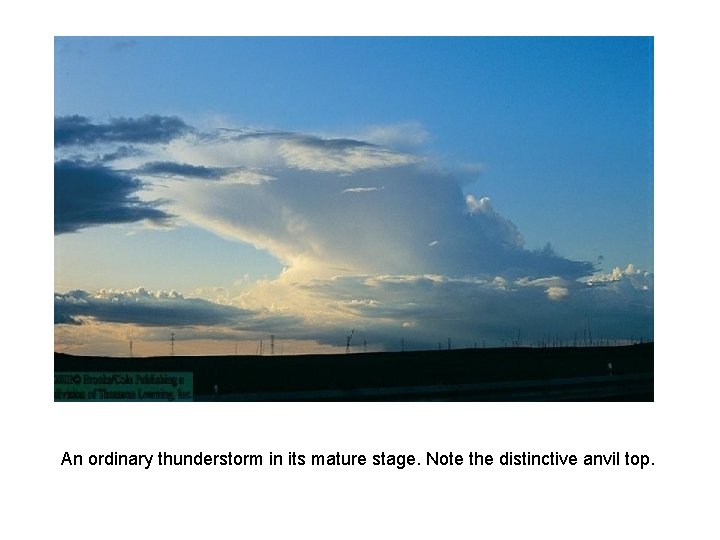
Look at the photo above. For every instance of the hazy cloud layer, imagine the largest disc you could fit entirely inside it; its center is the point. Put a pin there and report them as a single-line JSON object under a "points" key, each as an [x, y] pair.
{"points": [[425, 309], [88, 195]]}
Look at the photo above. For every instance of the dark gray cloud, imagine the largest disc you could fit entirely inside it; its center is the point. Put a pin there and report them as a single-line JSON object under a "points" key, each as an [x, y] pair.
{"points": [[143, 308], [300, 138], [80, 130], [170, 168], [120, 153], [255, 133], [163, 309], [332, 144], [88, 195], [64, 318]]}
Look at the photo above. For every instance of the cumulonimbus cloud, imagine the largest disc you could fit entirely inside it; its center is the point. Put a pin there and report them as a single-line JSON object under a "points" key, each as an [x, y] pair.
{"points": [[310, 215], [371, 236]]}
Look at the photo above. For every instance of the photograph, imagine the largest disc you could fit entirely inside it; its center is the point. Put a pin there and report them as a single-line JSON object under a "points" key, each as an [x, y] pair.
{"points": [[353, 219]]}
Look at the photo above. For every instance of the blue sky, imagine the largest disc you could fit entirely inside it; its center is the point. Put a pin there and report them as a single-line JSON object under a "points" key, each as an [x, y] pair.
{"points": [[539, 140]]}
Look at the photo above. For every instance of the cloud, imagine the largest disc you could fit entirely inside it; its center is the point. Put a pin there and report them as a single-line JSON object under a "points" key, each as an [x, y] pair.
{"points": [[121, 152], [362, 189], [403, 135], [478, 205], [636, 276], [425, 309], [557, 293], [80, 130], [301, 215], [422, 310], [282, 191], [185, 171], [339, 155], [372, 238], [159, 309], [293, 150], [88, 195], [141, 307]]}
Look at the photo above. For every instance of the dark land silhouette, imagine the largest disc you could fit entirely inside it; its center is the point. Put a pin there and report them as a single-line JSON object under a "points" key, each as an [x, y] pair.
{"points": [[620, 373]]}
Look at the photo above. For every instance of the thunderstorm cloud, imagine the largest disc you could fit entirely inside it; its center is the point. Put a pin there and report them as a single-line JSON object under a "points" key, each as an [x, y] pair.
{"points": [[372, 236]]}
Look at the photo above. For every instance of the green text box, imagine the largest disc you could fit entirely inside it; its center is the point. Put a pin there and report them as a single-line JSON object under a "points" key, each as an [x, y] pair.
{"points": [[123, 386]]}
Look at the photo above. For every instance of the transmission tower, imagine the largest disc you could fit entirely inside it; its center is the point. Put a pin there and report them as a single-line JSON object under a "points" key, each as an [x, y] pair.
{"points": [[347, 343], [172, 344]]}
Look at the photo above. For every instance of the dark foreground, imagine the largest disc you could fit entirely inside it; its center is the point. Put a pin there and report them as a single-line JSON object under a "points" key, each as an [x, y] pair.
{"points": [[504, 374]]}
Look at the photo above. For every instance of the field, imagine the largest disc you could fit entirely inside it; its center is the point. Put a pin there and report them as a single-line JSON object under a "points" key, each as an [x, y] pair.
{"points": [[500, 374]]}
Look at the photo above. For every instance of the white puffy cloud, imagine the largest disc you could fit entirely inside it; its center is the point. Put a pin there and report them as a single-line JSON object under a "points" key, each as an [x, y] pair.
{"points": [[557, 293], [636, 276], [362, 189]]}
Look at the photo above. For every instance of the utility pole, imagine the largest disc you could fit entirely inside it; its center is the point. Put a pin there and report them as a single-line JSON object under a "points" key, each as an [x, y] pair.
{"points": [[347, 343]]}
